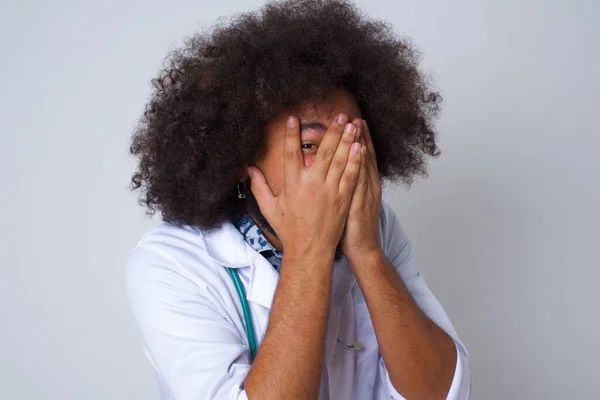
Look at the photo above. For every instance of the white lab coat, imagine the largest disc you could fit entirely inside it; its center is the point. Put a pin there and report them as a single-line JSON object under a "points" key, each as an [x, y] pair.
{"points": [[192, 324]]}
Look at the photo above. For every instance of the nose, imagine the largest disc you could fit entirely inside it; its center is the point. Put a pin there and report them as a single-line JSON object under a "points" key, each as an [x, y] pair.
{"points": [[309, 160]]}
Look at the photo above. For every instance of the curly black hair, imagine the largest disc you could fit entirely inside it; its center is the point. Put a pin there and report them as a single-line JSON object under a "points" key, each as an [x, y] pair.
{"points": [[204, 121]]}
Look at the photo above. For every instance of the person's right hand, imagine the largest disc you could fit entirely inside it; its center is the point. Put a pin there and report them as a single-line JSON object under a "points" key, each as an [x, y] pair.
{"points": [[310, 213]]}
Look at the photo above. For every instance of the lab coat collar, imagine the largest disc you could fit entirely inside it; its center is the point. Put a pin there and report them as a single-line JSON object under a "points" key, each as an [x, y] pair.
{"points": [[227, 247]]}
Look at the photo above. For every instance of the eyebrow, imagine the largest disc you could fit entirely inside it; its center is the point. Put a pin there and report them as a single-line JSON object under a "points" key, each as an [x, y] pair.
{"points": [[312, 125]]}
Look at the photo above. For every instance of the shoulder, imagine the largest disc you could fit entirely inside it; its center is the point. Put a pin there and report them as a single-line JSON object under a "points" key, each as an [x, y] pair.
{"points": [[176, 243], [169, 256]]}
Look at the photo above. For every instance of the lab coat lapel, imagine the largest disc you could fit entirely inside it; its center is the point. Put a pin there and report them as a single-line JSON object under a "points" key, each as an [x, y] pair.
{"points": [[227, 246], [263, 279]]}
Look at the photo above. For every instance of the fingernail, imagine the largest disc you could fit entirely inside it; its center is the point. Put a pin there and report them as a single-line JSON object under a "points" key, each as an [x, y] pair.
{"points": [[350, 128], [291, 121], [356, 147], [250, 172], [342, 118]]}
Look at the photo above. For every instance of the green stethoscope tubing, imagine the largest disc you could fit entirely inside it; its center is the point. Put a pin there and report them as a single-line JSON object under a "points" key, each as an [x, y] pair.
{"points": [[246, 309]]}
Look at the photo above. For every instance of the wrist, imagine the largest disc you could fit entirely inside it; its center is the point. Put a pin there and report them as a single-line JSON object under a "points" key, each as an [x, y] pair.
{"points": [[362, 257], [308, 257]]}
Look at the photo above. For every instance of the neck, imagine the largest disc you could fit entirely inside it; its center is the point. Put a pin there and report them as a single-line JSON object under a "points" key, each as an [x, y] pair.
{"points": [[271, 238]]}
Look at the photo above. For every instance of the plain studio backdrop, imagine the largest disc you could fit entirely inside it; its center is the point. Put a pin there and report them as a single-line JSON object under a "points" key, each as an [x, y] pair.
{"points": [[506, 228]]}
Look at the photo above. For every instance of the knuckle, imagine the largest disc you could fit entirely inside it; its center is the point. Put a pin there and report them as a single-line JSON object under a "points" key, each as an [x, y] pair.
{"points": [[338, 202], [350, 177], [325, 154], [338, 163], [290, 155]]}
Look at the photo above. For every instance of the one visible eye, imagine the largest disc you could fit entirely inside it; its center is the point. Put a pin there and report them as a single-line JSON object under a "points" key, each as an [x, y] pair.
{"points": [[309, 146]]}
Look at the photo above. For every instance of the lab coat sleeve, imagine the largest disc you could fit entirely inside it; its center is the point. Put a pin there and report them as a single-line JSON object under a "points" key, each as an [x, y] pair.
{"points": [[196, 351], [397, 247]]}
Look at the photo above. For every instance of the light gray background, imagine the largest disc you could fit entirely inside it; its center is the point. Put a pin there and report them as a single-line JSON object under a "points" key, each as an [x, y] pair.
{"points": [[506, 227]]}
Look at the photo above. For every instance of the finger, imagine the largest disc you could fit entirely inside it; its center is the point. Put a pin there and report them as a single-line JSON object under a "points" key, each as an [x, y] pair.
{"points": [[261, 190], [362, 141], [351, 172], [371, 156], [329, 145], [340, 158], [368, 139], [293, 161], [363, 177], [359, 128]]}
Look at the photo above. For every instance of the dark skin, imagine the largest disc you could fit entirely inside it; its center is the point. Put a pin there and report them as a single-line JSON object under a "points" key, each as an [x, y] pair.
{"points": [[317, 192]]}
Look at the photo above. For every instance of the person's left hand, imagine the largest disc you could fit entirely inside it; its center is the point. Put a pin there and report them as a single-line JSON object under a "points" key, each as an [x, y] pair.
{"points": [[361, 233]]}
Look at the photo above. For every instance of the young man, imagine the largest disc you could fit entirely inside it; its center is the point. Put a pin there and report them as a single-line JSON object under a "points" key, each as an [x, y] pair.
{"points": [[279, 273]]}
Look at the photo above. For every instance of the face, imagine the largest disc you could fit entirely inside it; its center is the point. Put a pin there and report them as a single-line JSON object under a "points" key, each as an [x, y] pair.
{"points": [[314, 120]]}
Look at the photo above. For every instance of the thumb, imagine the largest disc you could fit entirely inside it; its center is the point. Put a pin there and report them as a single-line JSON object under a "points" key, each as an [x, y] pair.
{"points": [[260, 188]]}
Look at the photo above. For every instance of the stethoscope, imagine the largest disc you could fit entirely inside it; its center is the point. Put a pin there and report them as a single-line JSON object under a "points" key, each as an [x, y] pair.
{"points": [[248, 317], [246, 309]]}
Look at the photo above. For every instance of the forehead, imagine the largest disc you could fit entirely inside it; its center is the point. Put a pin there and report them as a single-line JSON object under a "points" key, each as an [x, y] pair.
{"points": [[341, 101], [324, 112]]}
